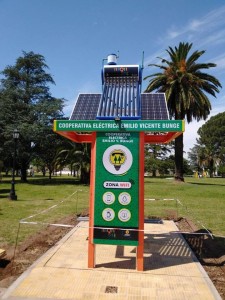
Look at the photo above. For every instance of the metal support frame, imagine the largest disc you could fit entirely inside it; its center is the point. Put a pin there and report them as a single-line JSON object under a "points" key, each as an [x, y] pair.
{"points": [[143, 138]]}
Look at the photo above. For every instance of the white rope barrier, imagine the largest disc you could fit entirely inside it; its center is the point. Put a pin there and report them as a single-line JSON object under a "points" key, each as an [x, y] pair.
{"points": [[24, 221], [118, 229], [200, 223], [50, 208], [47, 224], [155, 199]]}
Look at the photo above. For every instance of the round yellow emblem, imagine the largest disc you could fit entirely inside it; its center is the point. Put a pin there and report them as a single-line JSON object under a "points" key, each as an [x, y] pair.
{"points": [[117, 158]]}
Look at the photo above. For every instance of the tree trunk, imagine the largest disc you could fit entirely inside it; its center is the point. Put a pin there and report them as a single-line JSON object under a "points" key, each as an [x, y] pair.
{"points": [[84, 176], [155, 158], [179, 176], [43, 171], [211, 167], [154, 173], [24, 168]]}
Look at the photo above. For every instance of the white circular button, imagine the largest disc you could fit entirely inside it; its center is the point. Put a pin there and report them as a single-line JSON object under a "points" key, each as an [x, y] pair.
{"points": [[124, 198], [108, 198], [124, 215], [108, 214]]}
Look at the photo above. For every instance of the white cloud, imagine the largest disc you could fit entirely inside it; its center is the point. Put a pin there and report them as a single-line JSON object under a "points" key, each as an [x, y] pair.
{"points": [[89, 87], [68, 109], [207, 30], [190, 134], [85, 88], [195, 25], [215, 18], [152, 59], [216, 38]]}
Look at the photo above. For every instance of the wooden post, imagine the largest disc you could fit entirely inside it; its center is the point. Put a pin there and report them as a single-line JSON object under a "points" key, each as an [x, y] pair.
{"points": [[140, 247], [91, 246]]}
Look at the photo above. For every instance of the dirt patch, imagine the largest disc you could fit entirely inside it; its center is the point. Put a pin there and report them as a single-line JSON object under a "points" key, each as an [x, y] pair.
{"points": [[210, 252], [30, 250]]}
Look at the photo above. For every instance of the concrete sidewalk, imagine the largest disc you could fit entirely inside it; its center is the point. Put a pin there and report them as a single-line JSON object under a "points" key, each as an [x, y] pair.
{"points": [[171, 270]]}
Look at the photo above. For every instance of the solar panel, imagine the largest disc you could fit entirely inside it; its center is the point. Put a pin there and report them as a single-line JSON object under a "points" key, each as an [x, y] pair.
{"points": [[86, 107], [154, 107]]}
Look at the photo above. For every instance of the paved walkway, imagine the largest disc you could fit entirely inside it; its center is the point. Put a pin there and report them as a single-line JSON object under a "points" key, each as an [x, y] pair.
{"points": [[171, 270]]}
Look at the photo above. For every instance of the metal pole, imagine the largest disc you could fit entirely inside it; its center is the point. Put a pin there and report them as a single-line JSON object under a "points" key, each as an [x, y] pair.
{"points": [[12, 194]]}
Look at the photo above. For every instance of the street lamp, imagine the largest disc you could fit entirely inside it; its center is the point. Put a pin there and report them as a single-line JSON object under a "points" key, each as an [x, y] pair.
{"points": [[12, 194]]}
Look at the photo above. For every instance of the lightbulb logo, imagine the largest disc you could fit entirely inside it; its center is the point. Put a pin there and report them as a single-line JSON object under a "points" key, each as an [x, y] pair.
{"points": [[117, 159]]}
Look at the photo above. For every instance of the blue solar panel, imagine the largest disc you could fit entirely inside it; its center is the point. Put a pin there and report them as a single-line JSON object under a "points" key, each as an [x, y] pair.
{"points": [[86, 107], [153, 106]]}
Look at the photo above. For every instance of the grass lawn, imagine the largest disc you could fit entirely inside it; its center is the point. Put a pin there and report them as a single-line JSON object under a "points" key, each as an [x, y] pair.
{"points": [[60, 197], [200, 199]]}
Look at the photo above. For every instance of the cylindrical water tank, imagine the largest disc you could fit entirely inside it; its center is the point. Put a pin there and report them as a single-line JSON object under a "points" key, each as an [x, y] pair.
{"points": [[112, 59]]}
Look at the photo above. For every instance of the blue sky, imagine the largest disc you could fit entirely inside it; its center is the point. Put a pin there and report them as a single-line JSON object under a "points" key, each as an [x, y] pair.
{"points": [[75, 35]]}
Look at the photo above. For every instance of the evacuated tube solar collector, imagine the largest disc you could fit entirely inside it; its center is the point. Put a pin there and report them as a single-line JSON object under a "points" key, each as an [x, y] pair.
{"points": [[121, 91], [121, 97]]}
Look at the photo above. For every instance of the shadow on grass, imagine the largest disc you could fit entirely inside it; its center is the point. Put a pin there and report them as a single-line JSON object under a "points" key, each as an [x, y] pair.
{"points": [[40, 180], [4, 191], [53, 181], [204, 183]]}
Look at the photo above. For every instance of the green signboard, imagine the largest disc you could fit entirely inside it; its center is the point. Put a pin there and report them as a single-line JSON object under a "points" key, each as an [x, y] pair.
{"points": [[116, 188], [123, 125]]}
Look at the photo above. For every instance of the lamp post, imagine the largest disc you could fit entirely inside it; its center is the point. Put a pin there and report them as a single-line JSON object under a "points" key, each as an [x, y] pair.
{"points": [[12, 194]]}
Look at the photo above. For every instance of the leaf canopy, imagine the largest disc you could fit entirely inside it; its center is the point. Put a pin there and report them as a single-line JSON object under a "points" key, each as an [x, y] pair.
{"points": [[26, 104], [185, 85]]}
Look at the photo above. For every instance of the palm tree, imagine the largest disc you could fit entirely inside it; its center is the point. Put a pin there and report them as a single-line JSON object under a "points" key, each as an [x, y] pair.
{"points": [[184, 85], [207, 159], [78, 156]]}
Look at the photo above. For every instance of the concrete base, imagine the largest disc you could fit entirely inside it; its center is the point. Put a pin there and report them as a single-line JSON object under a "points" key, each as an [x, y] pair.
{"points": [[171, 271]]}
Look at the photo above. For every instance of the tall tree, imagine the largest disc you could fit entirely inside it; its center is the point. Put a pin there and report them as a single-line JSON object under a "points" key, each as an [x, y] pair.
{"points": [[186, 88], [26, 104], [202, 158], [194, 158], [154, 156], [47, 149], [211, 139]]}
